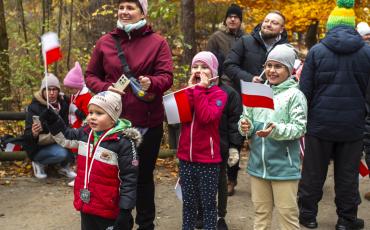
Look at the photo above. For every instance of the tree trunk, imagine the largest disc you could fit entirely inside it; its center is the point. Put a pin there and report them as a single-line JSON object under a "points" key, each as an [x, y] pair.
{"points": [[311, 35], [23, 22], [188, 29], [59, 26], [5, 88], [70, 36]]}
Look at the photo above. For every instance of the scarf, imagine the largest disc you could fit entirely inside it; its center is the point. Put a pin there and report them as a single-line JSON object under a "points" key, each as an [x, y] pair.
{"points": [[130, 27]]}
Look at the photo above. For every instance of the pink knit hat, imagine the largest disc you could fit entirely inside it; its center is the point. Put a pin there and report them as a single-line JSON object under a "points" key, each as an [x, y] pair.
{"points": [[144, 5], [209, 59], [75, 78]]}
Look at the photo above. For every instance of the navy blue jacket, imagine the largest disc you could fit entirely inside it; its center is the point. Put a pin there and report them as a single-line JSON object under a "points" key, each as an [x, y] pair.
{"points": [[334, 80]]}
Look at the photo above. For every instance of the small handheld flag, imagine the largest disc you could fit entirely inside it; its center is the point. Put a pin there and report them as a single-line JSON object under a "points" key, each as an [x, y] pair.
{"points": [[256, 95], [50, 48], [177, 107]]}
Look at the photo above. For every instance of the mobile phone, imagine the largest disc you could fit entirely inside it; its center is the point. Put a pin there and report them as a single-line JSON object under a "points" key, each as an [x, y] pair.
{"points": [[122, 83], [36, 119]]}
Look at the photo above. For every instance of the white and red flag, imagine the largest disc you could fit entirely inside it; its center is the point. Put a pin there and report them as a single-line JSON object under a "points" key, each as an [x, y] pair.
{"points": [[50, 47], [177, 107], [257, 95]]}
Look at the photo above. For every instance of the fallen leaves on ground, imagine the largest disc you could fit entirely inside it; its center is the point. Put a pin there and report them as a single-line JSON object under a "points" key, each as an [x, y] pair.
{"points": [[167, 168]]}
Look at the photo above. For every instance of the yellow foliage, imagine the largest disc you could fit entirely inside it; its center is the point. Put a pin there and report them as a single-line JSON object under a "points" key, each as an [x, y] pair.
{"points": [[299, 14]]}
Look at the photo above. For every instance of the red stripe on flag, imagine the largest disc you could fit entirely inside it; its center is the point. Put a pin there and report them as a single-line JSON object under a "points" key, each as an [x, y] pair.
{"points": [[364, 171], [257, 101], [183, 106], [53, 55]]}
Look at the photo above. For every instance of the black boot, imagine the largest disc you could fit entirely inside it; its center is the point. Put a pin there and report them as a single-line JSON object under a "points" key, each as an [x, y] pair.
{"points": [[344, 224], [221, 224]]}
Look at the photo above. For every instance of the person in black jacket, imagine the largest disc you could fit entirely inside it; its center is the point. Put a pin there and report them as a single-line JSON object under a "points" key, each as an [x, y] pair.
{"points": [[334, 80], [246, 58], [39, 145]]}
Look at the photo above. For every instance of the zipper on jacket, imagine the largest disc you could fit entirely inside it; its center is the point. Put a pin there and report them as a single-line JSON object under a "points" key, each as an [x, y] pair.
{"points": [[263, 158], [191, 138], [290, 159], [211, 143]]}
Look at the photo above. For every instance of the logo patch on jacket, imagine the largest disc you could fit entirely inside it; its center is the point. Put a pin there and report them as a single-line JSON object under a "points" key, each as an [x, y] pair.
{"points": [[105, 156], [219, 103]]}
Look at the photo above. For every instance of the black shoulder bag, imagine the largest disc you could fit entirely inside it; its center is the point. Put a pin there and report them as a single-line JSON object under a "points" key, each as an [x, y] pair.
{"points": [[135, 85]]}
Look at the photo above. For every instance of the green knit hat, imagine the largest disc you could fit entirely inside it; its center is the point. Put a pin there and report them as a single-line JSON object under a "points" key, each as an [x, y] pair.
{"points": [[343, 14]]}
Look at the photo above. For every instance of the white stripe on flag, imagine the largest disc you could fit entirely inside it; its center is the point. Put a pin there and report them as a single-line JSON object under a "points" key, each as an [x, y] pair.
{"points": [[49, 41], [250, 88], [171, 109]]}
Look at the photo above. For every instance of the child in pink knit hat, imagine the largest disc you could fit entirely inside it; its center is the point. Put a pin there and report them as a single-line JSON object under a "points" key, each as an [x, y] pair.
{"points": [[199, 144], [80, 96]]}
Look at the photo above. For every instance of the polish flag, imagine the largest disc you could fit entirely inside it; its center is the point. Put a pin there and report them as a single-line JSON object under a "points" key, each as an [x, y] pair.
{"points": [[177, 107], [364, 171], [257, 95], [50, 47], [10, 147]]}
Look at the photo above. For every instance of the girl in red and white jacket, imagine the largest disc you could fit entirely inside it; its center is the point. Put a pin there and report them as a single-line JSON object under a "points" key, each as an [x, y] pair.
{"points": [[199, 144], [74, 82], [107, 163]]}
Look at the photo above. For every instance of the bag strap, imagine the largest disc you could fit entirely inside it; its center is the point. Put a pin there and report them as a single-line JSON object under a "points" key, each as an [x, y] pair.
{"points": [[122, 58]]}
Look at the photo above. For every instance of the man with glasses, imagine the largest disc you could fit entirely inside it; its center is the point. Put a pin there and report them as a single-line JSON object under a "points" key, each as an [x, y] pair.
{"points": [[39, 144], [246, 58]]}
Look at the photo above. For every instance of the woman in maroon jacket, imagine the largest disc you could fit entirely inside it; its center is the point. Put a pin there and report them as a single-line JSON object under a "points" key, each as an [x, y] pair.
{"points": [[150, 62]]}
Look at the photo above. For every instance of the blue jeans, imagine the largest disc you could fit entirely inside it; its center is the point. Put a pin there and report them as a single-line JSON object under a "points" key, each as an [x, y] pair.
{"points": [[52, 154]]}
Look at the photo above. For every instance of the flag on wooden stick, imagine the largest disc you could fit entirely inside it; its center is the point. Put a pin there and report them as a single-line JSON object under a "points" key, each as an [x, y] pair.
{"points": [[50, 48], [177, 107]]}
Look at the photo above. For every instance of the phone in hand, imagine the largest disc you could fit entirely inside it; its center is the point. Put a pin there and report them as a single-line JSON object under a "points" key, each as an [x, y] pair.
{"points": [[122, 83], [36, 119]]}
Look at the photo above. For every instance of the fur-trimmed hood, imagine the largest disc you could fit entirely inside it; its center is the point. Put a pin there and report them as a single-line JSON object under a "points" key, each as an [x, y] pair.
{"points": [[134, 135]]}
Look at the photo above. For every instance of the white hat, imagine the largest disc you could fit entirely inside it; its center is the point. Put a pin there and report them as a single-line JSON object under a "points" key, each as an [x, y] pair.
{"points": [[110, 102], [363, 28]]}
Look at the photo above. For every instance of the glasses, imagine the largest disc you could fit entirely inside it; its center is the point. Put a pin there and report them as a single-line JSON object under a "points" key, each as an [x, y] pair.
{"points": [[53, 89], [277, 67]]}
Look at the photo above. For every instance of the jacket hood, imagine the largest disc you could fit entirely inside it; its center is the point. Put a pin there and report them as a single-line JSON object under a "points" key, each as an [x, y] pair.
{"points": [[287, 84], [125, 127], [256, 34], [343, 40], [38, 97]]}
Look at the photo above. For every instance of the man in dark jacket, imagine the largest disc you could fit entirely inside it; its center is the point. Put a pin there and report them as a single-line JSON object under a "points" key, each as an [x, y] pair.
{"points": [[39, 144], [247, 56], [334, 80]]}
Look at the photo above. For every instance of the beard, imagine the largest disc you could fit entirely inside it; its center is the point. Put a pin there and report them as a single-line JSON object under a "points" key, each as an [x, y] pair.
{"points": [[269, 35]]}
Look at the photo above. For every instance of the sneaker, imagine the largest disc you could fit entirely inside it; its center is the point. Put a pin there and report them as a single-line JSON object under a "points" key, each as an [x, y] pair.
{"points": [[66, 171], [39, 170], [221, 224], [344, 224], [71, 184]]}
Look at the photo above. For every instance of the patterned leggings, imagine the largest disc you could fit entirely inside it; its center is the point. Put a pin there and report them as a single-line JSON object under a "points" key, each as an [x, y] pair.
{"points": [[199, 182]]}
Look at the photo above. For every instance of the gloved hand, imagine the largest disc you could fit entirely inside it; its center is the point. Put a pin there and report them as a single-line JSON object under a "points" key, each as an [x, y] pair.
{"points": [[49, 115], [233, 157], [124, 220]]}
